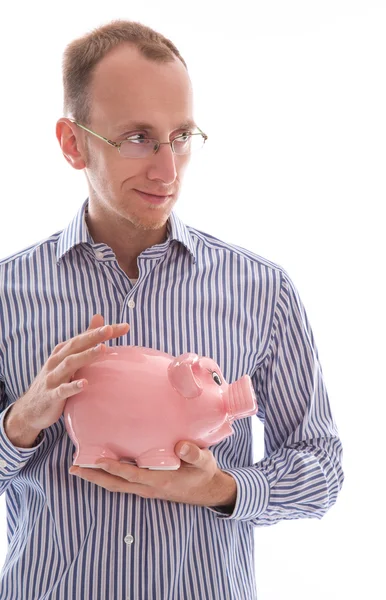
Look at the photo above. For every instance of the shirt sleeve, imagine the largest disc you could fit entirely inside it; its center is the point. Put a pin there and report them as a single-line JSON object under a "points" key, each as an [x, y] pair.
{"points": [[12, 459], [301, 473]]}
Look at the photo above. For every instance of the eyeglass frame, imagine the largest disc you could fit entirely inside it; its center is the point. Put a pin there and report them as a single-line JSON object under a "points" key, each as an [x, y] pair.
{"points": [[119, 144]]}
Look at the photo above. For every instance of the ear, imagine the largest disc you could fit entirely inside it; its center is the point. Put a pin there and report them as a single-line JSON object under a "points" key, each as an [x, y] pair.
{"points": [[71, 142], [181, 373]]}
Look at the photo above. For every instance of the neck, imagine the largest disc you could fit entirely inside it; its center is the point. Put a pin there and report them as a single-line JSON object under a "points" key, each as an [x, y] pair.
{"points": [[125, 239]]}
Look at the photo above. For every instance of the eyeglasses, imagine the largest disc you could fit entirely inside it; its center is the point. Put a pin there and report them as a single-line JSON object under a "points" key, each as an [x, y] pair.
{"points": [[137, 146]]}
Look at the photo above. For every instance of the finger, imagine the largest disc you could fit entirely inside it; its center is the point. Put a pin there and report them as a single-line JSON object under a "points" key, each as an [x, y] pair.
{"points": [[74, 346], [87, 340], [67, 368], [128, 472], [96, 322], [104, 333], [109, 482], [66, 390], [58, 347]]}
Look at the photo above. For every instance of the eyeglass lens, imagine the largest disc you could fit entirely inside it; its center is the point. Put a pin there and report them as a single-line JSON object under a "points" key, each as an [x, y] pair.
{"points": [[144, 147]]}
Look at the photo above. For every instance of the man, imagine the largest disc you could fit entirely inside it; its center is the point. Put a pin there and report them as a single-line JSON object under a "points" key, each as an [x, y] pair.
{"points": [[126, 259]]}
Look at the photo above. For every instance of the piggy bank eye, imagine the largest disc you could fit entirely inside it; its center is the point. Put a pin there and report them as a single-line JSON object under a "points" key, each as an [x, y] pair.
{"points": [[216, 378]]}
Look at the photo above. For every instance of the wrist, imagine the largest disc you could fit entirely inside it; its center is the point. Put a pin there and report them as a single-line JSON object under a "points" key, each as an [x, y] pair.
{"points": [[225, 490], [18, 430]]}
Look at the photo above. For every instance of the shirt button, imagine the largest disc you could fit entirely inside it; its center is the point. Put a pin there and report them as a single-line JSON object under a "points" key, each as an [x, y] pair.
{"points": [[3, 464], [131, 304], [129, 539], [99, 254]]}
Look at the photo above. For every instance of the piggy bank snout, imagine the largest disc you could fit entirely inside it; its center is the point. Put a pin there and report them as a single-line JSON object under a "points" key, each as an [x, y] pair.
{"points": [[241, 398]]}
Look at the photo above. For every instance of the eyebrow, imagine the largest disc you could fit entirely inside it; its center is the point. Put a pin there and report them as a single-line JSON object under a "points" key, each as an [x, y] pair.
{"points": [[189, 124]]}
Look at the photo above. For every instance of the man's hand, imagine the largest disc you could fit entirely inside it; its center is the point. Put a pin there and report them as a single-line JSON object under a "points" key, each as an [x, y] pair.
{"points": [[44, 402], [198, 480]]}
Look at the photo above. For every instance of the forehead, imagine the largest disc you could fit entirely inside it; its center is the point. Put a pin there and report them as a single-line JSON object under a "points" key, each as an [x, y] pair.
{"points": [[127, 86]]}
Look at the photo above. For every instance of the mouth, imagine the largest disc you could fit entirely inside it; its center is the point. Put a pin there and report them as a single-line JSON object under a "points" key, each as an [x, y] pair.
{"points": [[152, 198]]}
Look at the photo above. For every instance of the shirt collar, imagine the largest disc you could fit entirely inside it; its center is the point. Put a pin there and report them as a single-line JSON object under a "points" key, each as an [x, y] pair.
{"points": [[77, 233]]}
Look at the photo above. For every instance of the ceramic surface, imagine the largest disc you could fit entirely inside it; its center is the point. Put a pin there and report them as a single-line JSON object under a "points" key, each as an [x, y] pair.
{"points": [[140, 402]]}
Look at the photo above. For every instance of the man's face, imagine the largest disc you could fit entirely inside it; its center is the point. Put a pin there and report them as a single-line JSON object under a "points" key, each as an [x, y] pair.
{"points": [[128, 91]]}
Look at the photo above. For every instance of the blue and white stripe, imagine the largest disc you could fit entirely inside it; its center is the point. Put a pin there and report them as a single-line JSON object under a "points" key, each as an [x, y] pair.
{"points": [[69, 538]]}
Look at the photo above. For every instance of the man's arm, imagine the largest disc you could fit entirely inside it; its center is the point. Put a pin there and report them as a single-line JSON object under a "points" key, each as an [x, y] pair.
{"points": [[301, 474], [18, 430], [12, 456]]}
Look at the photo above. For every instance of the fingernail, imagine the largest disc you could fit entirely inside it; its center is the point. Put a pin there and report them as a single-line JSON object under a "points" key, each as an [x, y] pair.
{"points": [[184, 450]]}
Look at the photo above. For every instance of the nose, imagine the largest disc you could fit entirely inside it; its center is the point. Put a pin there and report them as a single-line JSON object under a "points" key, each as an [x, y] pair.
{"points": [[241, 398], [163, 165]]}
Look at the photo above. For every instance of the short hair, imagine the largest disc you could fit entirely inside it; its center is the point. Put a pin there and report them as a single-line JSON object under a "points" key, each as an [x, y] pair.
{"points": [[83, 54]]}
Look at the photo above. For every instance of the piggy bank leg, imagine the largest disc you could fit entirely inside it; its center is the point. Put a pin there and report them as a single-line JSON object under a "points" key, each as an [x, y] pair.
{"points": [[158, 459], [87, 455]]}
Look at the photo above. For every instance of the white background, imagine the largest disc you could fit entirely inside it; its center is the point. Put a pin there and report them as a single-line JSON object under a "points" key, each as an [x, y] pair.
{"points": [[293, 98]]}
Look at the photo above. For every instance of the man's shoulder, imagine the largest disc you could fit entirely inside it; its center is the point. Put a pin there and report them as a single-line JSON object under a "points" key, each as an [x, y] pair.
{"points": [[216, 244], [30, 252]]}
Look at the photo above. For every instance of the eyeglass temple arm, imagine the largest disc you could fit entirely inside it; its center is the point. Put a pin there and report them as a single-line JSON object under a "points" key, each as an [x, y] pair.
{"points": [[96, 134], [202, 133]]}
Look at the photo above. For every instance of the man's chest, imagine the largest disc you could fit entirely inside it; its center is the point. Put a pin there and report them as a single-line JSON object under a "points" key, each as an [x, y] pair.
{"points": [[172, 316]]}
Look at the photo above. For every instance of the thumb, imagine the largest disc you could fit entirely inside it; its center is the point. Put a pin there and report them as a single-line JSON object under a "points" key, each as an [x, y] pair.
{"points": [[189, 452]]}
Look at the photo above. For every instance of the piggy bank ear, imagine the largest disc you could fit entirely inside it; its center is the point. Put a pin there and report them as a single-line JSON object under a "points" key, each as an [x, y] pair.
{"points": [[181, 373]]}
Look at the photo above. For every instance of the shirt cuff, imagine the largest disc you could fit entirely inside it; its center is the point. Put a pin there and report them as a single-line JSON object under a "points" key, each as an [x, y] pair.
{"points": [[12, 458], [252, 496]]}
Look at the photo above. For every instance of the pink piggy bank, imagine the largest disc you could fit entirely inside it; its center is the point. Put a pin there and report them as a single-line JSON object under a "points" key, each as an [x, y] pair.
{"points": [[140, 402]]}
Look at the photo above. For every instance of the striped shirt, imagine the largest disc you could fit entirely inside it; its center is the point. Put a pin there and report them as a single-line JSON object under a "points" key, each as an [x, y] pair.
{"points": [[71, 539]]}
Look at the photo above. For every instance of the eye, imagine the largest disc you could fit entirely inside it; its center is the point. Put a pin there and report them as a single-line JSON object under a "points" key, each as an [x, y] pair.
{"points": [[137, 138], [216, 378], [183, 137]]}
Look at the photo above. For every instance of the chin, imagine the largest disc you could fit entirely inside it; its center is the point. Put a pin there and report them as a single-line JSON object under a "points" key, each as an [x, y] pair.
{"points": [[150, 222], [151, 218]]}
